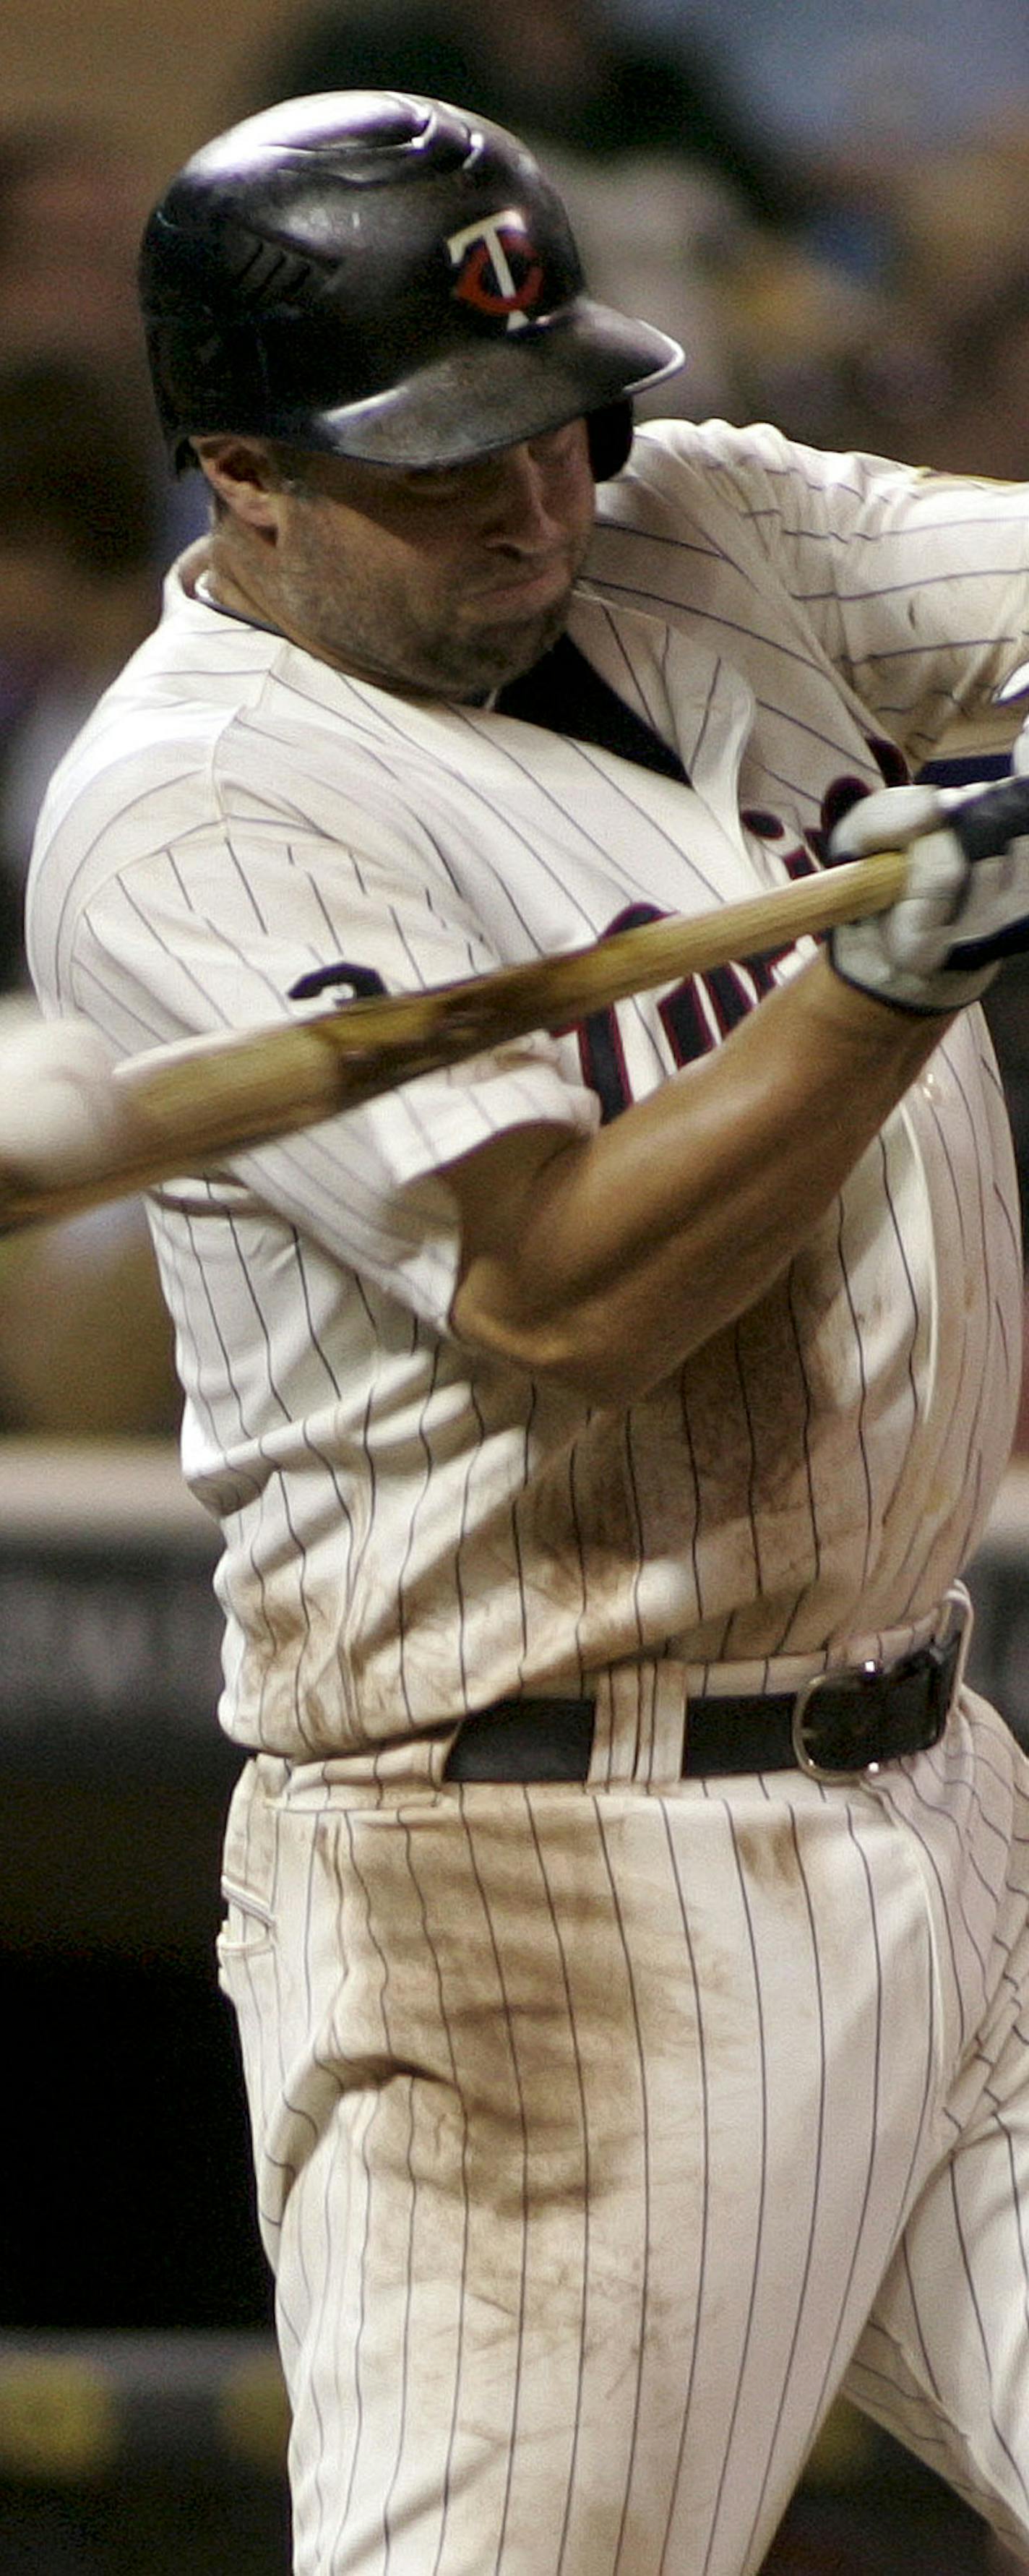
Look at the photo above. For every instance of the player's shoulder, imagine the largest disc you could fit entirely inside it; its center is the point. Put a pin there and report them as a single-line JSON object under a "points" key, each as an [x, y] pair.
{"points": [[715, 468], [204, 699], [697, 502], [714, 502], [698, 486]]}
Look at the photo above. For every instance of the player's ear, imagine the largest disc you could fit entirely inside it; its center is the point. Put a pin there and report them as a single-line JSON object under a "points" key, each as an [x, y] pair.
{"points": [[243, 479]]}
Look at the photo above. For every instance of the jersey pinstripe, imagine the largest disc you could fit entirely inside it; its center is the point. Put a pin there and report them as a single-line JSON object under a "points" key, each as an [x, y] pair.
{"points": [[411, 1531]]}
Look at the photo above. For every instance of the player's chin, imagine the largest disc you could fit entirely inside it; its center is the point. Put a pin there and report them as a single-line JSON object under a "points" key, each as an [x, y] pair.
{"points": [[500, 650]]}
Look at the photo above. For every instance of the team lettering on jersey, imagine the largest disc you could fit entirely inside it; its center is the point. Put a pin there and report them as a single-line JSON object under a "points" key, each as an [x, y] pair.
{"points": [[702, 1010]]}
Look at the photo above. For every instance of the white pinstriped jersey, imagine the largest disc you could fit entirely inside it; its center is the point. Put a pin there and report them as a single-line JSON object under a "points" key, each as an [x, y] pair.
{"points": [[412, 1529]]}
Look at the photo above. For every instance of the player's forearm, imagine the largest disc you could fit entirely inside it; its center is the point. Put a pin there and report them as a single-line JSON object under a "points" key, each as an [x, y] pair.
{"points": [[604, 1263]]}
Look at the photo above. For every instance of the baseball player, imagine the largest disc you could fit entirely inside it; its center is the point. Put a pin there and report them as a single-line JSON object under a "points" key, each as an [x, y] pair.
{"points": [[626, 1899]]}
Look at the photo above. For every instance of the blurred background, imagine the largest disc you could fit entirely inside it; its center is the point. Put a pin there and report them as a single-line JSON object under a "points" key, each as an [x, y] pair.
{"points": [[829, 204]]}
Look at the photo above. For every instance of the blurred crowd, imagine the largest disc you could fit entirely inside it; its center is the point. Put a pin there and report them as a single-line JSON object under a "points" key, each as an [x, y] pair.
{"points": [[865, 283]]}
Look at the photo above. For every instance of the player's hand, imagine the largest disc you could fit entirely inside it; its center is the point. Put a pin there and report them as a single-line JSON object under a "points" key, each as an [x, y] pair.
{"points": [[58, 1110], [965, 905]]}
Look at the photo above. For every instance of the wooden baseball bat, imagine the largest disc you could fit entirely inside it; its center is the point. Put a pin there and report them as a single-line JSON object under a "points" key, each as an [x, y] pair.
{"points": [[185, 1108]]}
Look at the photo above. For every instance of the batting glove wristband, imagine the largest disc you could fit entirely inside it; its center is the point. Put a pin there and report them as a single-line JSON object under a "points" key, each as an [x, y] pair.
{"points": [[965, 905]]}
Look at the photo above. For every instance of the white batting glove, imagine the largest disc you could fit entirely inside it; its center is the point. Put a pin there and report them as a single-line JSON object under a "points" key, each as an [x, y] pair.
{"points": [[1013, 689], [965, 905]]}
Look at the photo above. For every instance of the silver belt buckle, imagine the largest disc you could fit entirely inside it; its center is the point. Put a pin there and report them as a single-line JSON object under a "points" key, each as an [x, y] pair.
{"points": [[955, 1616]]}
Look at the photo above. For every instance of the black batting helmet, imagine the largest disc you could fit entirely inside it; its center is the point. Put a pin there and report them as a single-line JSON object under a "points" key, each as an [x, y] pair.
{"points": [[385, 277]]}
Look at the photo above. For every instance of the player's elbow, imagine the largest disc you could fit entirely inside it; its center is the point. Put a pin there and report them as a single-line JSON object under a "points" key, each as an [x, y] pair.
{"points": [[546, 1285], [566, 1347]]}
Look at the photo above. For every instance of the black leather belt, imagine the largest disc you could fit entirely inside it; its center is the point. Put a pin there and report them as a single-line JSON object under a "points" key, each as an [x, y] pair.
{"points": [[846, 1721]]}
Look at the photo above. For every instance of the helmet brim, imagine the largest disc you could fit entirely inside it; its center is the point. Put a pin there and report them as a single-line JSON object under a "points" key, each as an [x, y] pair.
{"points": [[498, 393]]}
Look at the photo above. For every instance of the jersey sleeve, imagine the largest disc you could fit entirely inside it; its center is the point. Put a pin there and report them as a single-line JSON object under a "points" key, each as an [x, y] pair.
{"points": [[913, 584], [214, 931]]}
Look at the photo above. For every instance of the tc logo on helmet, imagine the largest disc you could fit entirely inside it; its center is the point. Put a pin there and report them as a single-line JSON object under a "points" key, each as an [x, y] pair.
{"points": [[498, 270]]}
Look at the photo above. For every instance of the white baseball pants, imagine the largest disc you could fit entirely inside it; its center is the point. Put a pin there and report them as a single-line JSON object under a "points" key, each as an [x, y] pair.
{"points": [[604, 2134]]}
